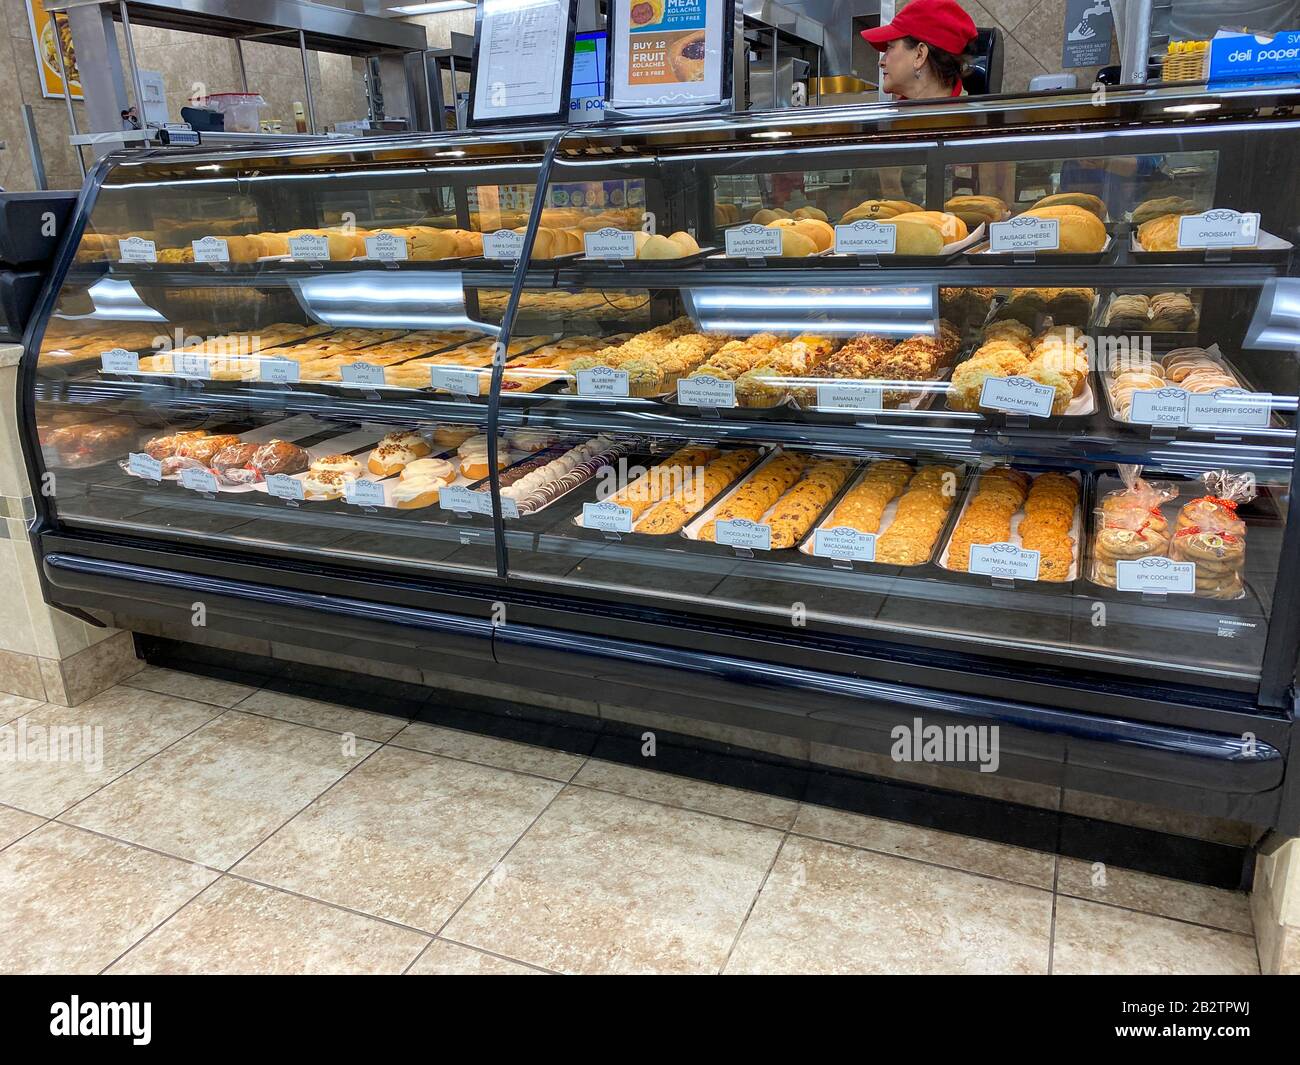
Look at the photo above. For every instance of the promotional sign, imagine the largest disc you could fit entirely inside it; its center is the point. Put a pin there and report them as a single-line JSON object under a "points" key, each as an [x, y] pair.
{"points": [[1263, 60], [1088, 27], [48, 34], [523, 51], [668, 53]]}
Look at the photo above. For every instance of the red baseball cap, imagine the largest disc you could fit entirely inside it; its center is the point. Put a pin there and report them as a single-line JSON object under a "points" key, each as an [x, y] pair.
{"points": [[941, 23]]}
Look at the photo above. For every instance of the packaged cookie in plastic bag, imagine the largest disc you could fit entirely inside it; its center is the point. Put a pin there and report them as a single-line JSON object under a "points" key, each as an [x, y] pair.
{"points": [[1210, 533], [1128, 524]]}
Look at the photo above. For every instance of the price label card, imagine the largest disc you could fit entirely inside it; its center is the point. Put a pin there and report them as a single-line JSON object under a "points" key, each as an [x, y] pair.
{"points": [[753, 239], [362, 373], [1025, 233], [364, 493], [1156, 575], [740, 532], [189, 364], [1229, 406], [388, 247], [1004, 560], [282, 486], [1017, 395], [144, 466], [1220, 228], [460, 382], [210, 250], [608, 517], [610, 243], [706, 392], [851, 396], [309, 248], [865, 237], [119, 360], [602, 381], [460, 499], [845, 543], [197, 480], [278, 371], [509, 508], [503, 244], [137, 250], [1158, 406]]}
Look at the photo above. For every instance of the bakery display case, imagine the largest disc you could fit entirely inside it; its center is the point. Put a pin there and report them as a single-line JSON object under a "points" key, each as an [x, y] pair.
{"points": [[807, 419]]}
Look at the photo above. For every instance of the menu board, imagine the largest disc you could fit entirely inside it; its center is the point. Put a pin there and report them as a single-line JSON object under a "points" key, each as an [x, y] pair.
{"points": [[522, 55], [668, 53]]}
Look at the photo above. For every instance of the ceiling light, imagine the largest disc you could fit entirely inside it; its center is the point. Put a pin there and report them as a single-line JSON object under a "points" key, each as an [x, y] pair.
{"points": [[773, 134], [431, 8]]}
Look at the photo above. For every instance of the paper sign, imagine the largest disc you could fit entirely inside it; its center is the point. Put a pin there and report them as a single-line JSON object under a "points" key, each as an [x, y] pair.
{"points": [[845, 542], [509, 508], [668, 55], [1156, 574], [1158, 406], [1004, 560], [1017, 395], [851, 397], [1220, 228], [190, 364], [282, 486], [865, 237], [210, 250], [610, 243], [137, 250], [144, 466], [609, 517], [362, 373], [741, 532], [119, 360], [1229, 406], [364, 493], [753, 239], [602, 381], [1088, 26], [1025, 233], [706, 391], [197, 480], [278, 371], [309, 247], [462, 500], [503, 244], [460, 382], [386, 246]]}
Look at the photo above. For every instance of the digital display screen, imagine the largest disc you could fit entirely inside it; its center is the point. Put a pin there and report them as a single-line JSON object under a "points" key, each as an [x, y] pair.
{"points": [[587, 95]]}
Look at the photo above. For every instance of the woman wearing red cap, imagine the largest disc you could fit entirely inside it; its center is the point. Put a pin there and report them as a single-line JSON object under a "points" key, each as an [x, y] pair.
{"points": [[921, 50]]}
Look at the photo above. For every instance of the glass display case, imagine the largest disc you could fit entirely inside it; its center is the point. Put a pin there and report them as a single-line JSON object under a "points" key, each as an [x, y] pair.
{"points": [[997, 399]]}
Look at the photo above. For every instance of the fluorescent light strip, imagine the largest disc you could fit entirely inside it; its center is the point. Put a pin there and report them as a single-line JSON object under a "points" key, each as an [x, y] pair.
{"points": [[431, 8]]}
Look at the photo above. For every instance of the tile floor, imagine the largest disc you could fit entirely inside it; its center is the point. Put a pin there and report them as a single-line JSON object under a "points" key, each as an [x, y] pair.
{"points": [[218, 828]]}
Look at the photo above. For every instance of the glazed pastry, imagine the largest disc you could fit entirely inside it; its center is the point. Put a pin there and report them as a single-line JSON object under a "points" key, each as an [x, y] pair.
{"points": [[205, 447], [395, 451], [430, 467], [473, 455], [280, 456], [450, 436], [421, 481], [161, 447], [326, 483]]}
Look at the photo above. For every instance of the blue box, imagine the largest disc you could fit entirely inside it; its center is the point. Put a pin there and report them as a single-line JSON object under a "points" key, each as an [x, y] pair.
{"points": [[1247, 58]]}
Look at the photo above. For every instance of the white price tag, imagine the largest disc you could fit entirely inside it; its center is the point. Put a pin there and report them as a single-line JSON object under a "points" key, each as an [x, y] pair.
{"points": [[210, 250], [119, 360], [509, 508], [1220, 228], [309, 248], [364, 493], [602, 381], [1025, 233], [460, 499], [740, 532], [137, 250], [610, 243], [1156, 574], [144, 466], [1229, 406], [278, 371], [706, 391], [851, 396], [1004, 560], [362, 373], [189, 364], [1017, 395], [609, 517], [503, 244], [388, 247], [752, 239], [865, 237], [197, 480], [282, 486], [459, 382], [845, 542], [1158, 406]]}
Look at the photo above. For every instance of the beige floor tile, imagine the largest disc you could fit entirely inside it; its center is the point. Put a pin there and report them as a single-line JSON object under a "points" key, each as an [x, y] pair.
{"points": [[14, 824], [1024, 866], [12, 706], [607, 884], [219, 793], [691, 794], [377, 727], [189, 686], [407, 836], [833, 909], [135, 724], [239, 928], [1091, 938], [74, 901], [451, 959], [1229, 910], [488, 750]]}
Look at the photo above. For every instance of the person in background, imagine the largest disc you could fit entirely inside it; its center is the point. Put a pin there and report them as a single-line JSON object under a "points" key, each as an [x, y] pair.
{"points": [[921, 51]]}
